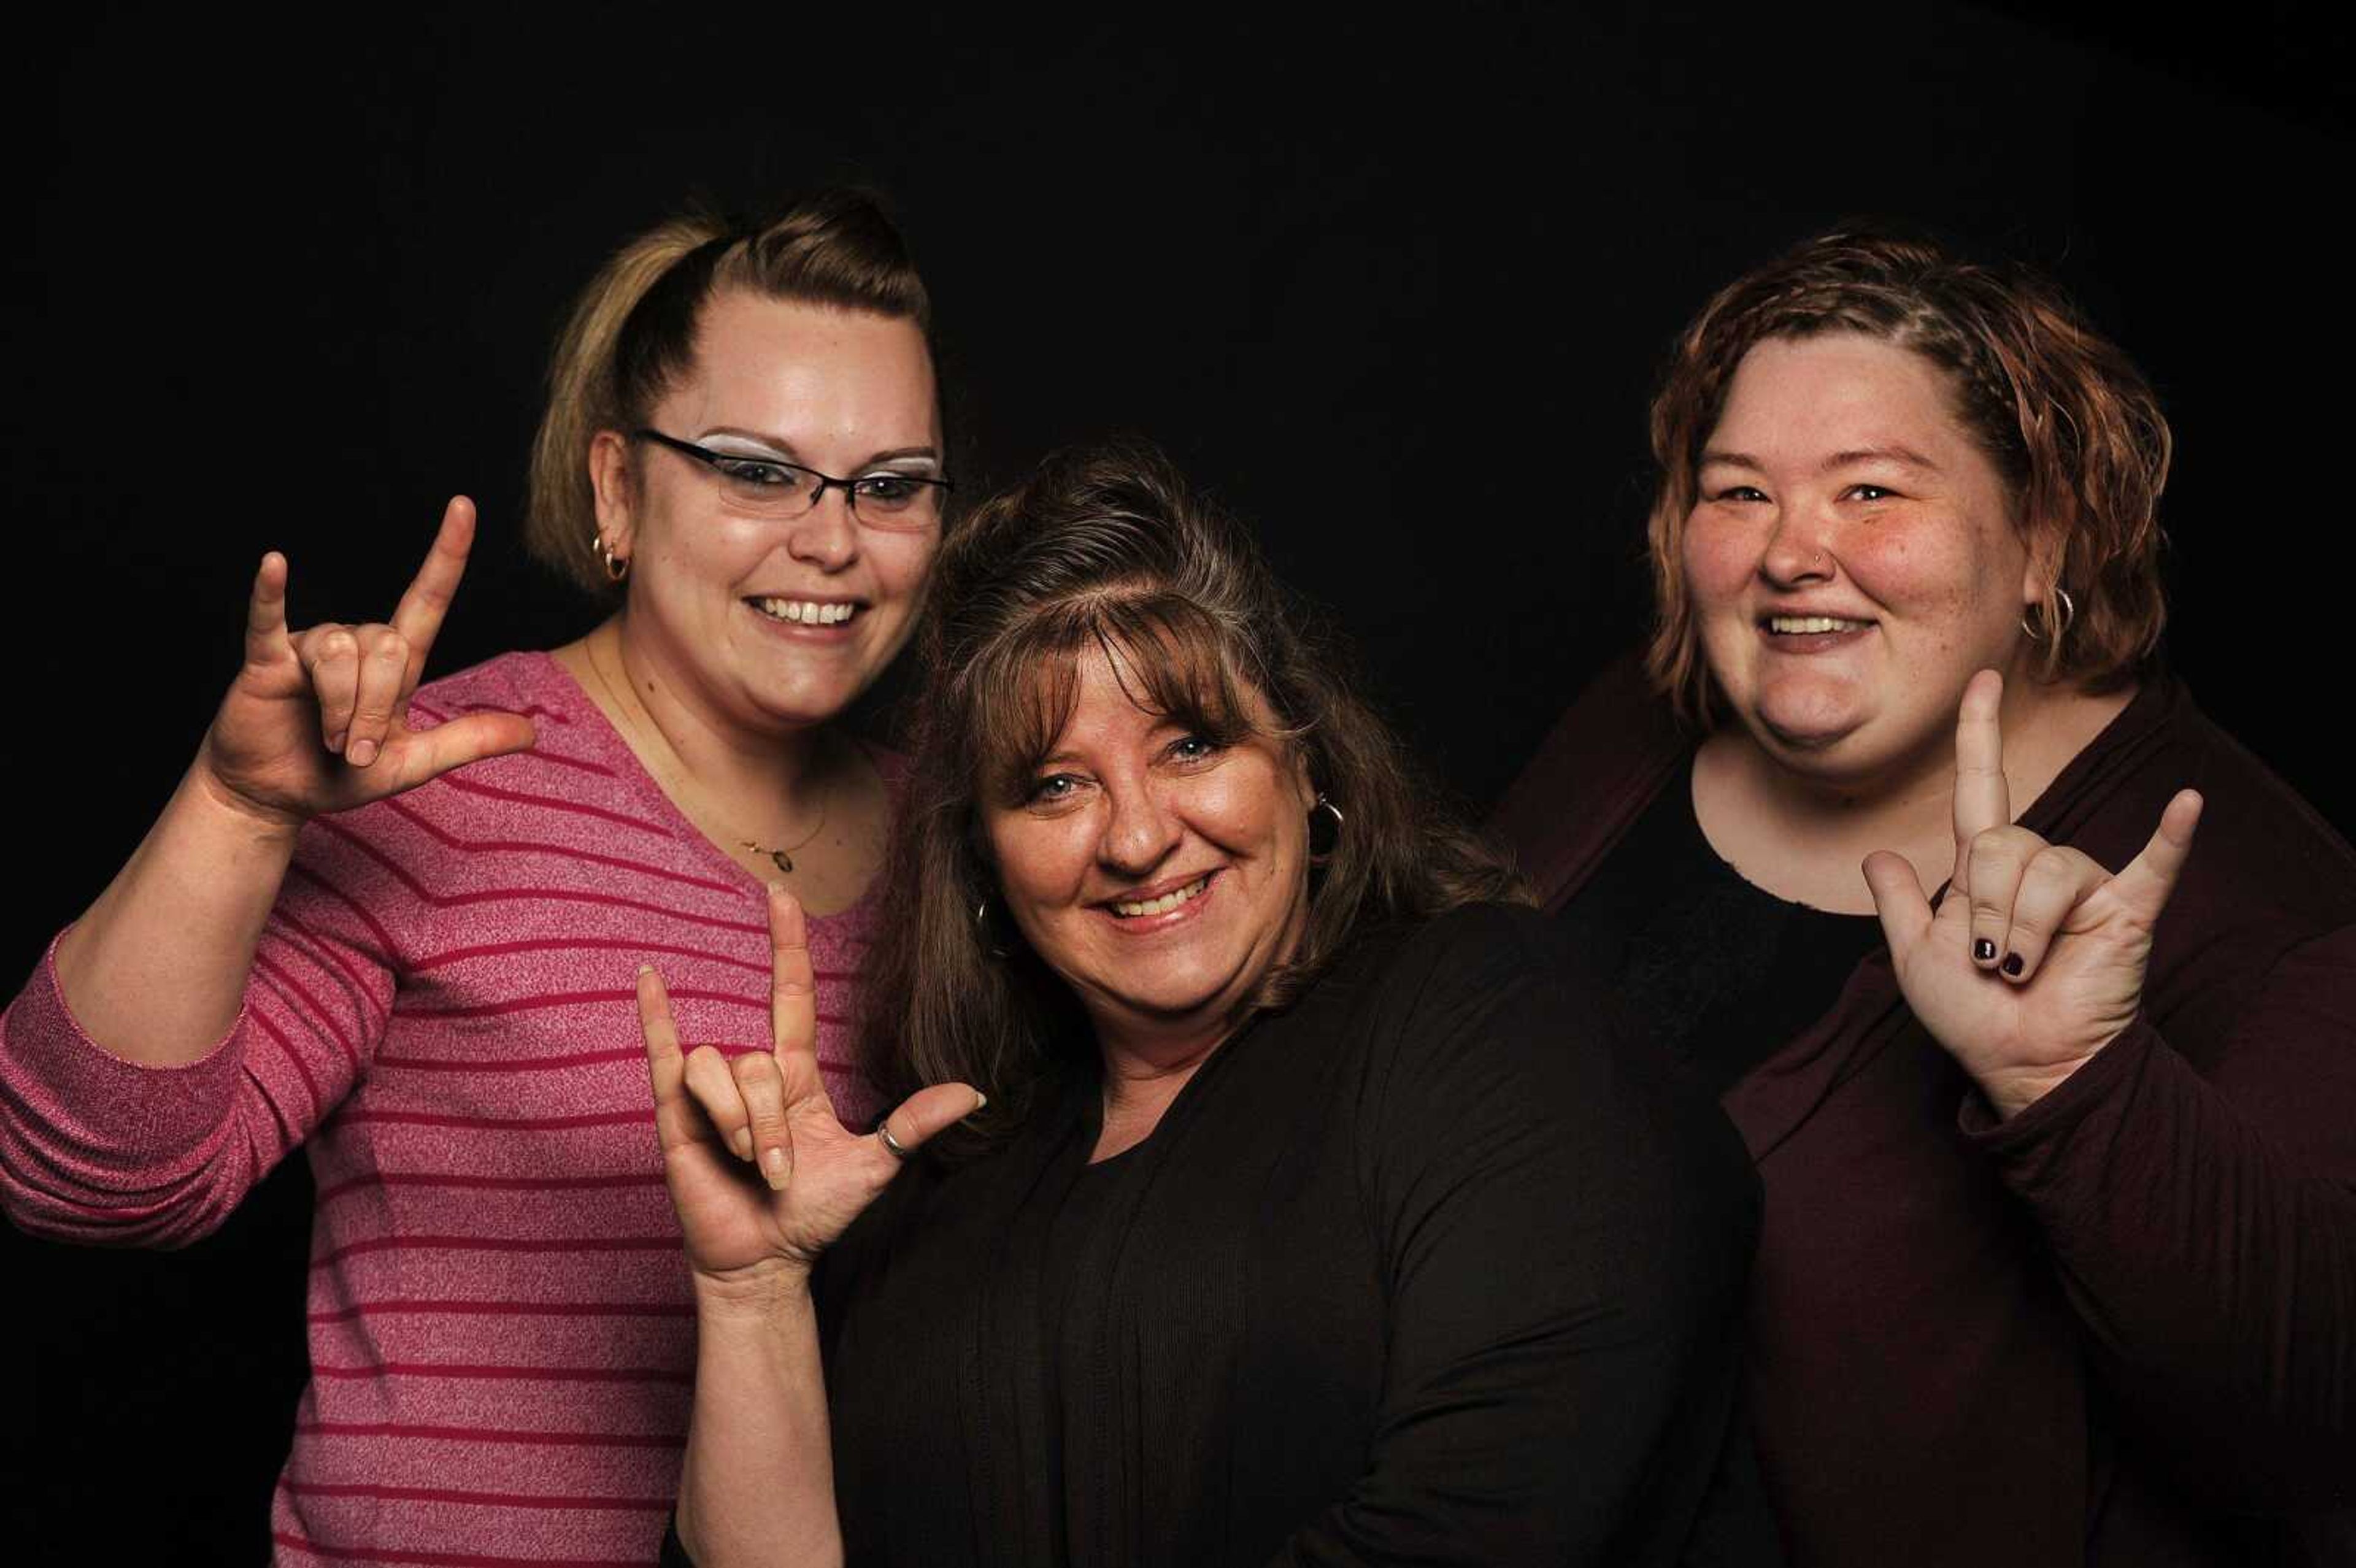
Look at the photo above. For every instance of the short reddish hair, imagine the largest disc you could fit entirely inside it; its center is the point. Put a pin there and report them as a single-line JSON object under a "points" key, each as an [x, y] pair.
{"points": [[2069, 423]]}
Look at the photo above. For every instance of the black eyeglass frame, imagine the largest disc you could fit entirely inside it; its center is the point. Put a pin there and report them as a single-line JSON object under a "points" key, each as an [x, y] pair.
{"points": [[850, 487]]}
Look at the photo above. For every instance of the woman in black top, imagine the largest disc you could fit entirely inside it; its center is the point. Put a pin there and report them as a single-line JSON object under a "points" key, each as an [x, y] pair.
{"points": [[1309, 1217]]}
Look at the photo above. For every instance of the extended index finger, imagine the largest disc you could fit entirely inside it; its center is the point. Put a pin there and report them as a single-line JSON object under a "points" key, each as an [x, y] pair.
{"points": [[793, 984], [1983, 800], [418, 617]]}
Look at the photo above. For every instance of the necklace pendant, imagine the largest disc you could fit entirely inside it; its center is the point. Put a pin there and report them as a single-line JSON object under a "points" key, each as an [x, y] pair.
{"points": [[783, 862]]}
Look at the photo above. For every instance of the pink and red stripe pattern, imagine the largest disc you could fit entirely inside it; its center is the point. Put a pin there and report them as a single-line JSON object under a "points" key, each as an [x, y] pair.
{"points": [[502, 1341]]}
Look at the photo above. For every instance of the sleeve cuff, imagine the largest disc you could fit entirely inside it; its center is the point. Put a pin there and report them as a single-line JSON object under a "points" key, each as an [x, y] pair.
{"points": [[2058, 1111]]}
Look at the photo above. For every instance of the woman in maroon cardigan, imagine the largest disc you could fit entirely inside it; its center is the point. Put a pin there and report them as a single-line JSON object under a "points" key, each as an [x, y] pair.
{"points": [[2059, 1256]]}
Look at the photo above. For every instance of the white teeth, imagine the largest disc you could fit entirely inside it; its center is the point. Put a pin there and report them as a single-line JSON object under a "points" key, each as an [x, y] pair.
{"points": [[805, 612], [1795, 626], [1163, 904]]}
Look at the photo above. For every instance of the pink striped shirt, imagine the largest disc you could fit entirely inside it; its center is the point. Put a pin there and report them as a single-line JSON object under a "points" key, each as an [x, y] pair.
{"points": [[442, 1011]]}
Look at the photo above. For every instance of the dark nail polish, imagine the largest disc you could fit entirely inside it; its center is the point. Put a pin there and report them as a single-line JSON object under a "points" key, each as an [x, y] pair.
{"points": [[1983, 950], [2012, 964]]}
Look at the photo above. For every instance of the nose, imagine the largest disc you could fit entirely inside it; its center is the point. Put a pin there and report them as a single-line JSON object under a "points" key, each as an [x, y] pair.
{"points": [[1139, 828], [1800, 550], [827, 536]]}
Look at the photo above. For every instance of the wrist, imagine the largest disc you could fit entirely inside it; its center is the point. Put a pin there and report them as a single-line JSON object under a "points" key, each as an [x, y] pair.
{"points": [[231, 807], [2008, 1093], [759, 1292]]}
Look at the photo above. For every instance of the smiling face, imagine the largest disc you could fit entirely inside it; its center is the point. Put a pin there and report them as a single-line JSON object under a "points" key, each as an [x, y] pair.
{"points": [[764, 623], [1852, 557], [1159, 874]]}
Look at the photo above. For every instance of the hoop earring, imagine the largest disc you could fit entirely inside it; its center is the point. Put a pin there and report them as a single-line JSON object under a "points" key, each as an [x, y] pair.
{"points": [[618, 566], [2069, 614], [991, 943], [1331, 824]]}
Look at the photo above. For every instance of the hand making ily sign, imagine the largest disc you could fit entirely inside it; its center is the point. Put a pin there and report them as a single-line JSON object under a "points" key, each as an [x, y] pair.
{"points": [[769, 1109], [2035, 959], [317, 720]]}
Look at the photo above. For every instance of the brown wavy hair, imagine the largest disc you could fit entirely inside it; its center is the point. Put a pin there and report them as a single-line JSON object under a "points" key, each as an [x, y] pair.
{"points": [[1107, 547], [632, 334], [2069, 423]]}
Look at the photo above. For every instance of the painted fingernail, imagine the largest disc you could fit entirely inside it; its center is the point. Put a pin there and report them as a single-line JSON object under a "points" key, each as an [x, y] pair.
{"points": [[2013, 964], [773, 1165], [1983, 950], [741, 1140], [362, 753]]}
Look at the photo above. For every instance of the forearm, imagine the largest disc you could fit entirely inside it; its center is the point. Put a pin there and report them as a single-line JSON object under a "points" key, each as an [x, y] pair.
{"points": [[2216, 1272], [759, 1488], [155, 969]]}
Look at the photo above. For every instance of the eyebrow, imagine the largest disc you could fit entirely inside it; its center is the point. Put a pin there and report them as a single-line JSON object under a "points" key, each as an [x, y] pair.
{"points": [[1904, 455], [786, 450]]}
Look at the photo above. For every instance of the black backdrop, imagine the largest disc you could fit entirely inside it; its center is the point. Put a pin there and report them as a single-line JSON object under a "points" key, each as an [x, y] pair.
{"points": [[1394, 292]]}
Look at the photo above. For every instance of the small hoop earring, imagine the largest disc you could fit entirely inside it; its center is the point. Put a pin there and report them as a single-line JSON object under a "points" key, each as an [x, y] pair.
{"points": [[618, 566], [1332, 826], [2069, 614], [990, 941]]}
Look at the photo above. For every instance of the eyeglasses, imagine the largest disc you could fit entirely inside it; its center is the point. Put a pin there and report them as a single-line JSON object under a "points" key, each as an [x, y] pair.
{"points": [[772, 487]]}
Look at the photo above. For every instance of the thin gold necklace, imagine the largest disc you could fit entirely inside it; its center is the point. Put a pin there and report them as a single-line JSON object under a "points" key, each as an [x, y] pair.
{"points": [[779, 856]]}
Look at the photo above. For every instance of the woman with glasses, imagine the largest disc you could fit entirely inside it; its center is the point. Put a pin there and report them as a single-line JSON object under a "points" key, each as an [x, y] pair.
{"points": [[398, 923]]}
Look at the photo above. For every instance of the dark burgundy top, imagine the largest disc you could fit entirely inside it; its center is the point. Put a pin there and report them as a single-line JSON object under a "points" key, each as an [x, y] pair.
{"points": [[2118, 1329]]}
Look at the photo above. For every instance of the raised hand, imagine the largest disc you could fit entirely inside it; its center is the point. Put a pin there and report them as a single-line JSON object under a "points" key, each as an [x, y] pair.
{"points": [[2035, 959], [760, 1171], [318, 721]]}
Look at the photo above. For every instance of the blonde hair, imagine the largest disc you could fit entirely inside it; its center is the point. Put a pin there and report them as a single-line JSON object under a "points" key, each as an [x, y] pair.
{"points": [[632, 333]]}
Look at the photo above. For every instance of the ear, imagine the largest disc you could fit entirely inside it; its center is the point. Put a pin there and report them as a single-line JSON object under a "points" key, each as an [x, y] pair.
{"points": [[1304, 787], [610, 481]]}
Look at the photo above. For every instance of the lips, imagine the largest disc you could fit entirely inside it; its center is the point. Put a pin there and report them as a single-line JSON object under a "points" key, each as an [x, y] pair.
{"points": [[1163, 903]]}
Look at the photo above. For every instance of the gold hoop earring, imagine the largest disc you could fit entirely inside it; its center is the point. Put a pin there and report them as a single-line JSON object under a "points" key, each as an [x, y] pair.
{"points": [[618, 566]]}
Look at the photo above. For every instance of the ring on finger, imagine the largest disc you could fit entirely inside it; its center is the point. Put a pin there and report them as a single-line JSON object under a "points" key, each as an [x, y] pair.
{"points": [[883, 1131]]}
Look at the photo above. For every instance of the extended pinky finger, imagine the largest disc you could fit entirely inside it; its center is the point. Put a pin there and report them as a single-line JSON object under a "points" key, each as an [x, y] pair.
{"points": [[675, 1120], [265, 613]]}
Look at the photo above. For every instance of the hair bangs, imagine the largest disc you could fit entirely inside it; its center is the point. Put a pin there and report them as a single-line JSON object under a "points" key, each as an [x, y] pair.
{"points": [[1171, 657]]}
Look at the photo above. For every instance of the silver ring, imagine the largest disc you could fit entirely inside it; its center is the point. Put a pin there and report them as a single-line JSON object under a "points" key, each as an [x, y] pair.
{"points": [[883, 1131]]}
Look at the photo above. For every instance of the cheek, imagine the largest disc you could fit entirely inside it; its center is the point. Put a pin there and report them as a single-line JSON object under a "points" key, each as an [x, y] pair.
{"points": [[1719, 559], [1039, 861], [902, 562], [1931, 576]]}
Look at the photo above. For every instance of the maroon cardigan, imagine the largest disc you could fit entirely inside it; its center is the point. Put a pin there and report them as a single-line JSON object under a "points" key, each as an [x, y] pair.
{"points": [[2118, 1329]]}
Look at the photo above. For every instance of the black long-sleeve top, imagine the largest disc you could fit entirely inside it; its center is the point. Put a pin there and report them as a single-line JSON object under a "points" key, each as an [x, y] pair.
{"points": [[1422, 1269]]}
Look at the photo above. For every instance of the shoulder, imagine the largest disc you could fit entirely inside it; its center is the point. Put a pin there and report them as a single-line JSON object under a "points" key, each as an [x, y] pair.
{"points": [[1484, 979], [1474, 950], [2262, 852], [1596, 769], [527, 681]]}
